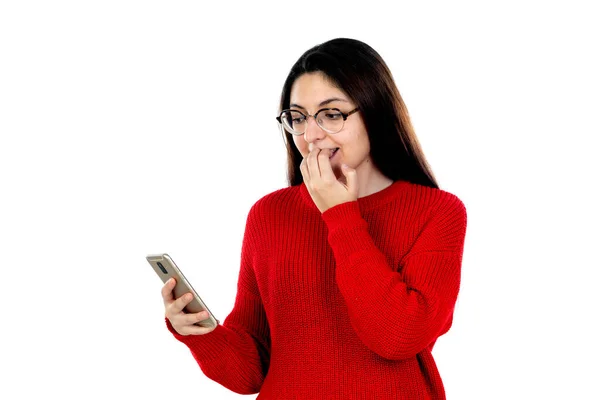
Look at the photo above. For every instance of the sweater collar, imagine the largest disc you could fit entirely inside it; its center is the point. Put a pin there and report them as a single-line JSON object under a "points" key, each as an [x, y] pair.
{"points": [[365, 203]]}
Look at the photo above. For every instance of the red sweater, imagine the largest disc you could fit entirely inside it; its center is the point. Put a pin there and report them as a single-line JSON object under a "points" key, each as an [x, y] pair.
{"points": [[345, 304]]}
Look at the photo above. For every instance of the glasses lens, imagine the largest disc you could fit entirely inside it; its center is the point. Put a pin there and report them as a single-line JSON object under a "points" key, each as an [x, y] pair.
{"points": [[294, 121], [330, 120]]}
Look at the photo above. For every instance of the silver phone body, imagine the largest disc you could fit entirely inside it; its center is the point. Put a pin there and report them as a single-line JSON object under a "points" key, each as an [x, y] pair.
{"points": [[165, 268]]}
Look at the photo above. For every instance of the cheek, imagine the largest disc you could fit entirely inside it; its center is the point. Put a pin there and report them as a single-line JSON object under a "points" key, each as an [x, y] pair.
{"points": [[356, 146], [362, 140]]}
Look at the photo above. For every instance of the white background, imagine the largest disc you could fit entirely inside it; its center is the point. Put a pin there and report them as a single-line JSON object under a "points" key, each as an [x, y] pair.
{"points": [[136, 127]]}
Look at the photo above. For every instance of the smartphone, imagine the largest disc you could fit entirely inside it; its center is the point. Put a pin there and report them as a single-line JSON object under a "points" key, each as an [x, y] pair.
{"points": [[165, 268]]}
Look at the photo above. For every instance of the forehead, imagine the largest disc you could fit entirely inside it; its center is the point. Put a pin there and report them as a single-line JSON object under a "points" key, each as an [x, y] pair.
{"points": [[311, 88]]}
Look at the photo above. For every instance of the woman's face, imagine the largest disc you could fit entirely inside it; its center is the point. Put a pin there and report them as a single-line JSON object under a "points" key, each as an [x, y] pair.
{"points": [[312, 92]]}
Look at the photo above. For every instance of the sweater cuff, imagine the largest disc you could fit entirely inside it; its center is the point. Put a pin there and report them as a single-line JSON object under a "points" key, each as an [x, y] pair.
{"points": [[205, 347], [348, 231]]}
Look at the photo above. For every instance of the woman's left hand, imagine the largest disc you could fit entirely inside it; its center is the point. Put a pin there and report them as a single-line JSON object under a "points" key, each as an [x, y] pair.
{"points": [[325, 190]]}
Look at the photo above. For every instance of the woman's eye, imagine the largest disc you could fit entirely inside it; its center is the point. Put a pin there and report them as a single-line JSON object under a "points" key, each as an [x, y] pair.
{"points": [[333, 115], [298, 120]]}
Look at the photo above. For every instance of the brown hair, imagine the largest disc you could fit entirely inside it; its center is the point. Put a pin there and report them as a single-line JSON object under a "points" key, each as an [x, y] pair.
{"points": [[358, 70]]}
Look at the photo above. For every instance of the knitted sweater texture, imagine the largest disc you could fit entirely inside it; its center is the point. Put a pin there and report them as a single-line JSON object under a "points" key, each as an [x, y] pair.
{"points": [[345, 304]]}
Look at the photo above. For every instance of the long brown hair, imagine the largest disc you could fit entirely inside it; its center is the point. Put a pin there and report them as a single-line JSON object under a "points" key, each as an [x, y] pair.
{"points": [[358, 70]]}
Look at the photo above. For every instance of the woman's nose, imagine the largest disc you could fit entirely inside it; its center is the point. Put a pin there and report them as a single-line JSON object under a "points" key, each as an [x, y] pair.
{"points": [[313, 130]]}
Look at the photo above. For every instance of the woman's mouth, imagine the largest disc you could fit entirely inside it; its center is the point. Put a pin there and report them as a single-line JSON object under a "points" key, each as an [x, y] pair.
{"points": [[333, 153]]}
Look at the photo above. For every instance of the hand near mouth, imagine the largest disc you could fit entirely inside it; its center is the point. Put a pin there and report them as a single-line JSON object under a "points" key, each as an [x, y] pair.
{"points": [[324, 188]]}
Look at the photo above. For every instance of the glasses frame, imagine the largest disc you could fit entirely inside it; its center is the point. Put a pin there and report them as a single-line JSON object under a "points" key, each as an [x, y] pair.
{"points": [[344, 116]]}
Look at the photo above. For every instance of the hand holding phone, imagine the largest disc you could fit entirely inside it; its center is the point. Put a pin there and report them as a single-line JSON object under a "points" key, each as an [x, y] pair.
{"points": [[184, 309], [184, 323]]}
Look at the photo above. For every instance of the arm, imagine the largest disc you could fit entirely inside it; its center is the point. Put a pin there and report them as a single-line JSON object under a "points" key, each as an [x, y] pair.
{"points": [[236, 353], [398, 312]]}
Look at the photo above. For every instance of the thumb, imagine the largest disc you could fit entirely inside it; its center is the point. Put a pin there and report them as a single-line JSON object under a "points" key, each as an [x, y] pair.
{"points": [[351, 179]]}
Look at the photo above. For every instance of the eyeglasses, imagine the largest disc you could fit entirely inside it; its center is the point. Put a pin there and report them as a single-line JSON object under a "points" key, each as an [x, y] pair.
{"points": [[329, 119]]}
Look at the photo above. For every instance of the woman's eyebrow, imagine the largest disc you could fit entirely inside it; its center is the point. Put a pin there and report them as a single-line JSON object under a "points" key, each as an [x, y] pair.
{"points": [[321, 103]]}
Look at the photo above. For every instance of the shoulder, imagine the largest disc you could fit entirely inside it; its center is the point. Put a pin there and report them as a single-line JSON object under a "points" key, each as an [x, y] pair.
{"points": [[436, 201], [437, 213], [283, 199], [448, 210], [441, 219]]}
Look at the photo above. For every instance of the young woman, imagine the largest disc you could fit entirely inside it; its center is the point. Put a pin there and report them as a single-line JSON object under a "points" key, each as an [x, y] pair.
{"points": [[349, 275]]}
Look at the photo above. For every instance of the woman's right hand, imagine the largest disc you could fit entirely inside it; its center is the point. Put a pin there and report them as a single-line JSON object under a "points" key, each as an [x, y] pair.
{"points": [[182, 322]]}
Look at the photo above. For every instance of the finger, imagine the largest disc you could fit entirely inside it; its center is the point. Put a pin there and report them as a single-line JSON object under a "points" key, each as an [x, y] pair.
{"points": [[178, 305], [313, 163], [183, 326], [325, 167], [191, 319], [167, 291], [194, 330], [351, 180], [304, 171]]}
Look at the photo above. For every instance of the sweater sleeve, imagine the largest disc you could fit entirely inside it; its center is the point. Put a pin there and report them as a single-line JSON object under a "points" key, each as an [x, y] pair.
{"points": [[236, 354], [398, 311]]}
